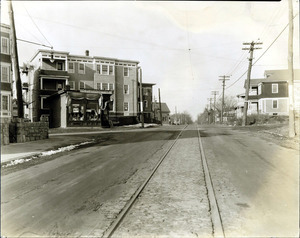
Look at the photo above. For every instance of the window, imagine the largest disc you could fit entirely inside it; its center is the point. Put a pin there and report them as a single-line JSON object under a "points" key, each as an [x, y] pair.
{"points": [[111, 70], [59, 85], [126, 106], [60, 66], [81, 69], [72, 85], [71, 68], [274, 88], [5, 102], [104, 86], [126, 89], [99, 86], [145, 91], [5, 72], [259, 89], [111, 86], [126, 71], [4, 45], [98, 69], [145, 103], [275, 104], [104, 69], [81, 85]]}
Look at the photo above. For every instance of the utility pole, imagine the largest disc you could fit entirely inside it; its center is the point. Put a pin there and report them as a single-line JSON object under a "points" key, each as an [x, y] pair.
{"points": [[251, 49], [215, 93], [160, 113], [292, 131], [209, 111], [154, 107], [223, 84], [141, 96], [175, 115], [15, 61]]}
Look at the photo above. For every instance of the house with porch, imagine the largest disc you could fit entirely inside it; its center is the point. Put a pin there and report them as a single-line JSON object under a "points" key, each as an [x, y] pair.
{"points": [[81, 90], [270, 95]]}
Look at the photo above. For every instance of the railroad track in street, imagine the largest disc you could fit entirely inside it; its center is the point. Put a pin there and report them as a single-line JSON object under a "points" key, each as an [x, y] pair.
{"points": [[216, 220], [218, 230]]}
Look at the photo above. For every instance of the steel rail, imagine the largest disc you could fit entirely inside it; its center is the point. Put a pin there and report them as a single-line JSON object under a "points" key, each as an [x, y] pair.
{"points": [[217, 225], [109, 232]]}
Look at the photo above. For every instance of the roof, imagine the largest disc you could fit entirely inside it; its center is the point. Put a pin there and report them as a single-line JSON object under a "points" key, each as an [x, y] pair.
{"points": [[274, 76], [164, 107], [81, 56], [147, 84]]}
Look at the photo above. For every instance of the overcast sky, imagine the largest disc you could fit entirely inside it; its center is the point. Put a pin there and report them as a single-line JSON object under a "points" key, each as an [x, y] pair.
{"points": [[182, 47]]}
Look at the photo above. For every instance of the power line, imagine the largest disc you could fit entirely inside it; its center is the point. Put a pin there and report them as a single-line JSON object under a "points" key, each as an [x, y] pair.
{"points": [[262, 53], [31, 42], [111, 35], [37, 26]]}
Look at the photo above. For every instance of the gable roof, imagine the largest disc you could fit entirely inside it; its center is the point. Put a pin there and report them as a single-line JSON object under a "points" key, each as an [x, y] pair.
{"points": [[164, 107], [274, 76]]}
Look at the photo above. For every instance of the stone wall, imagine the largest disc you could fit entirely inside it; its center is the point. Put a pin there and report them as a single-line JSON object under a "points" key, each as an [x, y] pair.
{"points": [[5, 132], [21, 131]]}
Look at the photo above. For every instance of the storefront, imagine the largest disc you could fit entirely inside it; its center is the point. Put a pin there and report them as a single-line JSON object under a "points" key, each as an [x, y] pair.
{"points": [[84, 109], [79, 109]]}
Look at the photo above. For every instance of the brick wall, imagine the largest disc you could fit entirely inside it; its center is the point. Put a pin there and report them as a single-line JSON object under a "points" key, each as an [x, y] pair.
{"points": [[28, 131]]}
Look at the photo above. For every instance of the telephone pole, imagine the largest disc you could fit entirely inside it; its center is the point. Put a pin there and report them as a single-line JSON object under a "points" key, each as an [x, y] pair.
{"points": [[214, 93], [292, 131], [160, 113], [209, 110], [251, 49], [15, 60], [175, 115], [223, 78]]}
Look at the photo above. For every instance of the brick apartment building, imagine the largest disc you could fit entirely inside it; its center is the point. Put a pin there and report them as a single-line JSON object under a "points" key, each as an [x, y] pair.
{"points": [[6, 74], [81, 90]]}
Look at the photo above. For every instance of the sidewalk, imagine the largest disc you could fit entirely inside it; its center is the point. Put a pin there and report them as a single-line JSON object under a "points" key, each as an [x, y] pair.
{"points": [[58, 137], [16, 151]]}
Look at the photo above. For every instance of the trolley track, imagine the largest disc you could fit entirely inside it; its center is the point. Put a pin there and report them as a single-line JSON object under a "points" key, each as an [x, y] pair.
{"points": [[218, 230], [216, 220], [110, 231]]}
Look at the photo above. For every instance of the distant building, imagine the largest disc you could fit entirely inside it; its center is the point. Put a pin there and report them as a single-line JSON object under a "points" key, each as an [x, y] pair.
{"points": [[6, 74], [270, 95], [148, 112], [165, 111], [96, 89]]}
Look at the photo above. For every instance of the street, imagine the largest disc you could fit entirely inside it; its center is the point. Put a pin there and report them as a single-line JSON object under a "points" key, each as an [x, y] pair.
{"points": [[82, 191]]}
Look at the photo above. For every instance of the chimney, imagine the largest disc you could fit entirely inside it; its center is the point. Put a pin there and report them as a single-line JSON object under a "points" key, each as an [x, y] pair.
{"points": [[87, 53]]}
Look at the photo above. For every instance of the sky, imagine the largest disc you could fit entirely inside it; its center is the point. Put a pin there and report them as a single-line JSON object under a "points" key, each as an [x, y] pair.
{"points": [[182, 46]]}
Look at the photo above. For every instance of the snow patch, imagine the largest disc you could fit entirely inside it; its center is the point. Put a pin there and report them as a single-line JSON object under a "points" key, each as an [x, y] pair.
{"points": [[140, 125], [46, 153]]}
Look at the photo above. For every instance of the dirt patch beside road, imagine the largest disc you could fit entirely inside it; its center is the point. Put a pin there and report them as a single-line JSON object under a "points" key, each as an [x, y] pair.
{"points": [[276, 133]]}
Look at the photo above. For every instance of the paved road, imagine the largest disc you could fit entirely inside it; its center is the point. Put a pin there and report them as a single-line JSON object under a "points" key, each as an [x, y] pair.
{"points": [[80, 192], [256, 183]]}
